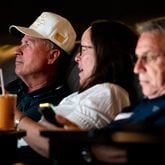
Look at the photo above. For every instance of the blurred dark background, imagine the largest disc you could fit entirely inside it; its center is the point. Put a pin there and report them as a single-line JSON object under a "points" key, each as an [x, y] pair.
{"points": [[80, 12]]}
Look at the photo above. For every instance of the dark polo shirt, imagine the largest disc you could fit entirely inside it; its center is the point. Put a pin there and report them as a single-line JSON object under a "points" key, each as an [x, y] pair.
{"points": [[28, 103]]}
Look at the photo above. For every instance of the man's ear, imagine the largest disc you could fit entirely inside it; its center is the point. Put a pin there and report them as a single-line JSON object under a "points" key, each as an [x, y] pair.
{"points": [[53, 56]]}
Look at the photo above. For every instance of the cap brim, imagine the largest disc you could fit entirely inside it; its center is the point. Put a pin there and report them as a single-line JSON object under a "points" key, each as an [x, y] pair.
{"points": [[26, 31]]}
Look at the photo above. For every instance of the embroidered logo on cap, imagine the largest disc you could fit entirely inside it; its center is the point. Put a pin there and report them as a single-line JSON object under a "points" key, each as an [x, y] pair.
{"points": [[59, 37]]}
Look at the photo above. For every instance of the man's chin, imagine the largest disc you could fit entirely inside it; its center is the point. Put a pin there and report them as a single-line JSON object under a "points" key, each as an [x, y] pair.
{"points": [[150, 94], [18, 72]]}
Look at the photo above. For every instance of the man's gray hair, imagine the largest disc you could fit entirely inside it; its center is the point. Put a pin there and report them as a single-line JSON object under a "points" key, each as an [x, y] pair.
{"points": [[156, 24]]}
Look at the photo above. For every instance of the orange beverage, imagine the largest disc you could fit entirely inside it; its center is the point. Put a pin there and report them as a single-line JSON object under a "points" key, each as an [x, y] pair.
{"points": [[7, 107]]}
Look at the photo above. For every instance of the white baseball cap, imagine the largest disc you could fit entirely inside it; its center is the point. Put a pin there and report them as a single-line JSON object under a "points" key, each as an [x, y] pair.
{"points": [[53, 27]]}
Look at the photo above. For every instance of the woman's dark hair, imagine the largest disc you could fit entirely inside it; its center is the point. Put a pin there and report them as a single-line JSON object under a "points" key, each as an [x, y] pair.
{"points": [[114, 44]]}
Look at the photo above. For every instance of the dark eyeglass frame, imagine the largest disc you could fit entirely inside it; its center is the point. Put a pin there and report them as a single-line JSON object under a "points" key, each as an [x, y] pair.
{"points": [[85, 47]]}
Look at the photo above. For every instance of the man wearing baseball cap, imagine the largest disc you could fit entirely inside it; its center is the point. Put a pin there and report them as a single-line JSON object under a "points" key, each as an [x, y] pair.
{"points": [[41, 61]]}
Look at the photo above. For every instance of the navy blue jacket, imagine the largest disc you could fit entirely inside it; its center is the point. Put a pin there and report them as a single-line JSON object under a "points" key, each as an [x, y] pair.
{"points": [[149, 111]]}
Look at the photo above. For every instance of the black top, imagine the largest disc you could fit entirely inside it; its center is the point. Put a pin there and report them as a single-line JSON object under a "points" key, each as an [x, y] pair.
{"points": [[28, 102]]}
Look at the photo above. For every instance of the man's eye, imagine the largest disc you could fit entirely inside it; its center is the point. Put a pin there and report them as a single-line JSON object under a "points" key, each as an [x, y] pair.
{"points": [[148, 59], [144, 58]]}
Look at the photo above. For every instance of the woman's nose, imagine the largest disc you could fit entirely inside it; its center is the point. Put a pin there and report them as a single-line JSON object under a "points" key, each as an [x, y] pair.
{"points": [[77, 57]]}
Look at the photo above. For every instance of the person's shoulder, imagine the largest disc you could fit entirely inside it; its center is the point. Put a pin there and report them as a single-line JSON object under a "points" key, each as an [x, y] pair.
{"points": [[107, 88], [108, 85], [98, 87], [113, 89], [104, 90], [13, 86], [116, 87], [61, 91]]}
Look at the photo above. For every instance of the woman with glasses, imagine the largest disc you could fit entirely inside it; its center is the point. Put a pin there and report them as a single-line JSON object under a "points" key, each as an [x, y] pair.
{"points": [[105, 63]]}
